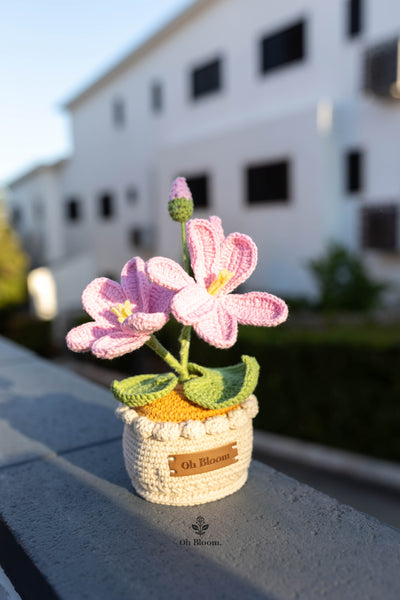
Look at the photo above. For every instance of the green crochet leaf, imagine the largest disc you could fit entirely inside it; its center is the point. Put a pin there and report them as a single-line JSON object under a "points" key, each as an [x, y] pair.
{"points": [[223, 387], [143, 389]]}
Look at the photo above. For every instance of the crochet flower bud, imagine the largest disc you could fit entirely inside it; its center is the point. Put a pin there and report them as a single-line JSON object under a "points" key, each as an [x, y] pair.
{"points": [[180, 205]]}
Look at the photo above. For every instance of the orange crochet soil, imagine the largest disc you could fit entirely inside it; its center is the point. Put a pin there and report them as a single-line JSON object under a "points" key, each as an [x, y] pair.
{"points": [[176, 407]]}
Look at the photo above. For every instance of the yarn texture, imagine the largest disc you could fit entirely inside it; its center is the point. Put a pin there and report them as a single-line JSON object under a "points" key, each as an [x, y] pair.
{"points": [[177, 407], [180, 190], [180, 205], [125, 315], [219, 265], [180, 209], [148, 446], [223, 387], [213, 389]]}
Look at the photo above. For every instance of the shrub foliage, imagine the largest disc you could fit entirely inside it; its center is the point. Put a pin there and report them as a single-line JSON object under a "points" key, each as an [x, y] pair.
{"points": [[343, 282], [13, 266]]}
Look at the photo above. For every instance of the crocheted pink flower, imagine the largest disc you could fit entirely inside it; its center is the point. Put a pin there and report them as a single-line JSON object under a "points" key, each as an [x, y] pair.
{"points": [[219, 265], [124, 315]]}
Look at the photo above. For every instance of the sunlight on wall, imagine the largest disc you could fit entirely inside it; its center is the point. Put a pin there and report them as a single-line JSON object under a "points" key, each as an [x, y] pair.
{"points": [[43, 292]]}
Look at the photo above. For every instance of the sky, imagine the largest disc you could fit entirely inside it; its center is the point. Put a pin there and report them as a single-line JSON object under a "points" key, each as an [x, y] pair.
{"points": [[49, 50]]}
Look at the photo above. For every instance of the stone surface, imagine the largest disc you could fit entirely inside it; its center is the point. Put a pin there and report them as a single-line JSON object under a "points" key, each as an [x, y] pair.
{"points": [[7, 591], [11, 353], [86, 530], [45, 409], [67, 499]]}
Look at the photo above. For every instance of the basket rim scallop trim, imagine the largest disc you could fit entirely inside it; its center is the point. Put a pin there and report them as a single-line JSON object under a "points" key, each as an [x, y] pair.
{"points": [[191, 429]]}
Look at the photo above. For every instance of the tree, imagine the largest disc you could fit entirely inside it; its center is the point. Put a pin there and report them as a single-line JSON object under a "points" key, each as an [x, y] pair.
{"points": [[13, 265]]}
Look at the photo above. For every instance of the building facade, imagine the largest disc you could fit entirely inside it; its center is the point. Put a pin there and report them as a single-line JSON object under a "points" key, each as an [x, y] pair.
{"points": [[284, 117]]}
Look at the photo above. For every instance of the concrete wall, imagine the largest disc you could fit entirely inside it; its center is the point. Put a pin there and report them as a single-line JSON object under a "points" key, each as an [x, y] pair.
{"points": [[37, 199], [71, 277]]}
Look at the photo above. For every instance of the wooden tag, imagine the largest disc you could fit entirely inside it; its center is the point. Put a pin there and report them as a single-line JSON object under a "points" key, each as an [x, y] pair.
{"points": [[182, 465]]}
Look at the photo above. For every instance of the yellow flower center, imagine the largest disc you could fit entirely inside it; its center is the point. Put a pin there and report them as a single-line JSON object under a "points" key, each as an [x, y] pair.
{"points": [[123, 311], [221, 279]]}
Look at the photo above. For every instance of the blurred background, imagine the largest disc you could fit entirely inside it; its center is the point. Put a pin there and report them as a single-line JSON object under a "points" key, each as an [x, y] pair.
{"points": [[285, 119]]}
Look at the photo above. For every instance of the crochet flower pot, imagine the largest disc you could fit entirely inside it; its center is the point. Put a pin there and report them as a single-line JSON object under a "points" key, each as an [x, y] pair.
{"points": [[188, 433], [179, 454]]}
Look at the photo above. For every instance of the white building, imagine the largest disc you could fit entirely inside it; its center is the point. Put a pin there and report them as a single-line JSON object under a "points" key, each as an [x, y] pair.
{"points": [[284, 117]]}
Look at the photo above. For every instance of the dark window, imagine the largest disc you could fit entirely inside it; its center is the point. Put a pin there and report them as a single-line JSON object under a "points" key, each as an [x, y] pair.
{"points": [[283, 47], [142, 237], [199, 186], [268, 183], [380, 69], [73, 209], [119, 112], [379, 227], [132, 195], [156, 97], [136, 235], [106, 205], [354, 17], [16, 216], [354, 171], [207, 78]]}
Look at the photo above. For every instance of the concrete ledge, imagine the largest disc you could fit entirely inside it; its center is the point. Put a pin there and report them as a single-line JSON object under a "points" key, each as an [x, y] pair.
{"points": [[7, 592], [356, 466], [45, 409], [10, 353], [71, 508]]}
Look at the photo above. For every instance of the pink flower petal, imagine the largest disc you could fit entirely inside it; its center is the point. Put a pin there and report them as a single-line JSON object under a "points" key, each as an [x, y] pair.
{"points": [[167, 273], [204, 245], [135, 284], [118, 343], [81, 339], [192, 304], [218, 229], [239, 256], [218, 328], [160, 299], [144, 322], [256, 308], [99, 297]]}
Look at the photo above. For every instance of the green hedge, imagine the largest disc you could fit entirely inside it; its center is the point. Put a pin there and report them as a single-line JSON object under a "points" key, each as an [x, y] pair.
{"points": [[27, 331], [333, 385]]}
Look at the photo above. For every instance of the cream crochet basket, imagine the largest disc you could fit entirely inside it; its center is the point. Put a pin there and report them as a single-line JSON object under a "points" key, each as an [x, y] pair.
{"points": [[191, 462]]}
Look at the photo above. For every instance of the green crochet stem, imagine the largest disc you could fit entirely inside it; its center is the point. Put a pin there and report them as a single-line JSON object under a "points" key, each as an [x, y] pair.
{"points": [[184, 352], [186, 331], [153, 343], [159, 349], [186, 261]]}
